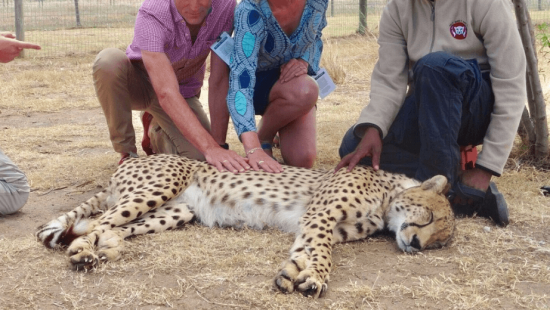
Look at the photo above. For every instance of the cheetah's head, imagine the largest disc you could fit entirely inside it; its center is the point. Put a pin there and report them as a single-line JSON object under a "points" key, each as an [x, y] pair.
{"points": [[421, 217]]}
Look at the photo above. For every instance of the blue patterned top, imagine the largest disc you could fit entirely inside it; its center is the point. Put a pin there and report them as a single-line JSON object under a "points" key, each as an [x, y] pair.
{"points": [[261, 44]]}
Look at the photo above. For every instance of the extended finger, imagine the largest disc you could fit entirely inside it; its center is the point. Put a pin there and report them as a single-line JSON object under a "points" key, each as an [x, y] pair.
{"points": [[219, 166], [285, 68], [289, 72], [275, 166], [299, 70], [295, 73], [344, 162], [354, 160], [376, 159], [268, 166], [230, 166], [283, 74], [28, 45], [254, 165], [241, 164]]}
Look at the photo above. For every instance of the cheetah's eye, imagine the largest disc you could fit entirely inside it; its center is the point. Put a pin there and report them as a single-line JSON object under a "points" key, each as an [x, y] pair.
{"points": [[405, 225]]}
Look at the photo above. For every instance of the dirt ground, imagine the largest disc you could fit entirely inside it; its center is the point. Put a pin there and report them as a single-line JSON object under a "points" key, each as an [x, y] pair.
{"points": [[67, 156]]}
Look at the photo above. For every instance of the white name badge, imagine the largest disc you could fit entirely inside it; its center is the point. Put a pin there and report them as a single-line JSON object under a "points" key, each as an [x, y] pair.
{"points": [[326, 85], [224, 47]]}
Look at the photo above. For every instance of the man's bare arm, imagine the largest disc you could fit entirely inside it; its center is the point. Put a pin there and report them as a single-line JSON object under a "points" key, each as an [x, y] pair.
{"points": [[166, 87]]}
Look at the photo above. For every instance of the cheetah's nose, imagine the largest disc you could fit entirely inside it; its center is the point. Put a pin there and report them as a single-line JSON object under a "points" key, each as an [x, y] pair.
{"points": [[415, 243]]}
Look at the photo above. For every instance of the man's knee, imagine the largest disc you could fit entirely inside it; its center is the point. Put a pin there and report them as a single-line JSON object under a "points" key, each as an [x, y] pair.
{"points": [[435, 59], [349, 143], [439, 66], [109, 64], [161, 143]]}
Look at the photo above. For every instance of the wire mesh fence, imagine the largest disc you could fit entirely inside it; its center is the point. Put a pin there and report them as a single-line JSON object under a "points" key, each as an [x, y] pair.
{"points": [[64, 27]]}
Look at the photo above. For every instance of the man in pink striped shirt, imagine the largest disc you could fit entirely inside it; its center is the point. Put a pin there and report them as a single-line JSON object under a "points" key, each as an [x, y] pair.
{"points": [[162, 73]]}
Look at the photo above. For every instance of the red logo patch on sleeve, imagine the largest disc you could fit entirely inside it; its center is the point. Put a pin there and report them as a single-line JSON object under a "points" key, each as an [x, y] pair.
{"points": [[459, 30]]}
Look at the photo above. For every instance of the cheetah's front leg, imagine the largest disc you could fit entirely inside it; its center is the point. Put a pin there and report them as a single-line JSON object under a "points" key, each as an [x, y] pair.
{"points": [[307, 270], [291, 268]]}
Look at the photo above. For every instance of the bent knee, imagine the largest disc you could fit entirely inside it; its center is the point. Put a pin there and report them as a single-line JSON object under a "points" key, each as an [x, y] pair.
{"points": [[305, 91], [349, 142], [304, 159], [12, 202], [309, 91], [434, 59], [109, 63]]}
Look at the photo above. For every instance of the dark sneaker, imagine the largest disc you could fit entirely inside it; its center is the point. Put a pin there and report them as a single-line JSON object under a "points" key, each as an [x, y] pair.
{"points": [[494, 206], [467, 201], [146, 119], [125, 156]]}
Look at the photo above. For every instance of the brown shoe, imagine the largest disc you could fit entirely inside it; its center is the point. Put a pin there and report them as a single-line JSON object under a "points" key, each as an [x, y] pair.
{"points": [[126, 156]]}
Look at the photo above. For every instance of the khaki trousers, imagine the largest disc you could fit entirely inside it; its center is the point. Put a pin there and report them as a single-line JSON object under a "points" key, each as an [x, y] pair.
{"points": [[122, 86]]}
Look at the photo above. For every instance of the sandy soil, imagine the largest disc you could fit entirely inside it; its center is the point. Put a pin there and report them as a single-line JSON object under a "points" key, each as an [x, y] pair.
{"points": [[68, 157], [372, 274]]}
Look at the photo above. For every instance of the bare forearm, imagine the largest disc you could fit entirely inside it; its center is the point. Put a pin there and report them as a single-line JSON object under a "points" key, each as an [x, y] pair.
{"points": [[250, 140], [218, 85], [219, 114]]}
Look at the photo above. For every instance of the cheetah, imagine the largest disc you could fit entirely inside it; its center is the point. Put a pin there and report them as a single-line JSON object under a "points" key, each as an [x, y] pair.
{"points": [[164, 192]]}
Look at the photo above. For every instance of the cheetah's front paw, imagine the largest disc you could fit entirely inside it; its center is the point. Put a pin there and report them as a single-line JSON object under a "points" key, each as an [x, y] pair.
{"points": [[309, 285], [291, 279], [284, 282]]}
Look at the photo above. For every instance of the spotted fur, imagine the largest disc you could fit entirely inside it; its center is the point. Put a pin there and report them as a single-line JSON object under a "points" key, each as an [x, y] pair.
{"points": [[164, 192]]}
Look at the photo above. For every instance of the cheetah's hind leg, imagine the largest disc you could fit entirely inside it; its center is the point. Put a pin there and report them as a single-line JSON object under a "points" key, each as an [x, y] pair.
{"points": [[109, 245], [60, 232]]}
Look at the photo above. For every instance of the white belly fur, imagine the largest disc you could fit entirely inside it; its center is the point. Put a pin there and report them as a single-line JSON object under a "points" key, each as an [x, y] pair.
{"points": [[245, 213]]}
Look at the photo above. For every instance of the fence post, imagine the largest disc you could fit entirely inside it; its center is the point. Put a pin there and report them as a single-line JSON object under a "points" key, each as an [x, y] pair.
{"points": [[19, 29], [362, 17], [331, 8], [77, 13]]}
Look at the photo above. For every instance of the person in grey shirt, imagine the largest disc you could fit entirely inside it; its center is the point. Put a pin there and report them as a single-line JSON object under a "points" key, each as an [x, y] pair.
{"points": [[14, 187]]}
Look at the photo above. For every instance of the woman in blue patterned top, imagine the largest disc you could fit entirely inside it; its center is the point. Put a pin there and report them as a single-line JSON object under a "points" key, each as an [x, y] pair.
{"points": [[277, 47]]}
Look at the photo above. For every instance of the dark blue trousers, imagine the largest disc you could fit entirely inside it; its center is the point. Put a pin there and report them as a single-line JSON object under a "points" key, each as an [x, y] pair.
{"points": [[450, 106]]}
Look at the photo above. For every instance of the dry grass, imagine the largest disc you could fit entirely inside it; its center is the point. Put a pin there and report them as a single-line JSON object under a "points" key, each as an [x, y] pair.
{"points": [[485, 267]]}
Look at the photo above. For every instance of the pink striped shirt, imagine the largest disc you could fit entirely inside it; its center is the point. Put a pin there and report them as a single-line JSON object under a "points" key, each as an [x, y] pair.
{"points": [[160, 28]]}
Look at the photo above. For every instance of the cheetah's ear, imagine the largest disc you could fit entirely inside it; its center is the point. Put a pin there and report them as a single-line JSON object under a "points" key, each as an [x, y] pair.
{"points": [[437, 184]]}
